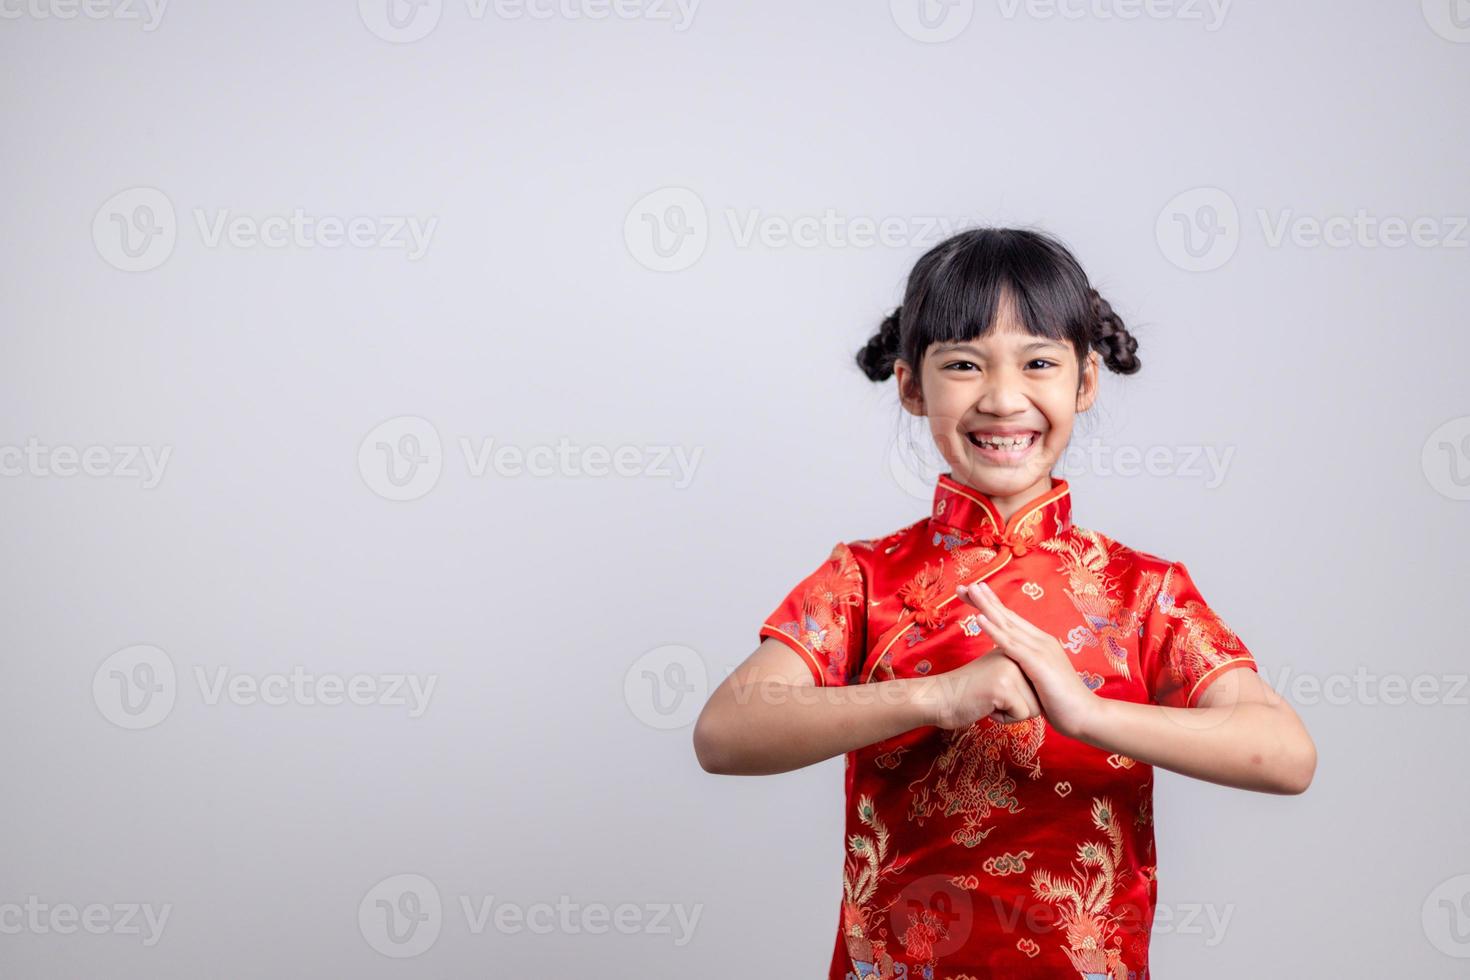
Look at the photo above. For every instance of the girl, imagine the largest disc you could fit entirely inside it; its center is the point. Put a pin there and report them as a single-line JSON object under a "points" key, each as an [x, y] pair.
{"points": [[1001, 681]]}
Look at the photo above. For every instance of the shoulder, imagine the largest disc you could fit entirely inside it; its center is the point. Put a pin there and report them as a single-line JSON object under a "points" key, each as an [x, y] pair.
{"points": [[870, 553], [1118, 554], [1135, 570]]}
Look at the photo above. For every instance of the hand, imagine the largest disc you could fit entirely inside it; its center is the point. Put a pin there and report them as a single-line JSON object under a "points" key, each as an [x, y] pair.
{"points": [[990, 686], [1068, 703]]}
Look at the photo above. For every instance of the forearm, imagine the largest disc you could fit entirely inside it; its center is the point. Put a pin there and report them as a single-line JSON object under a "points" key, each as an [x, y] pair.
{"points": [[1249, 745], [766, 727]]}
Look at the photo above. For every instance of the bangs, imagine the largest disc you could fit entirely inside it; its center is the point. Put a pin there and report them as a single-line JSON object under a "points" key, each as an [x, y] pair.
{"points": [[993, 278]]}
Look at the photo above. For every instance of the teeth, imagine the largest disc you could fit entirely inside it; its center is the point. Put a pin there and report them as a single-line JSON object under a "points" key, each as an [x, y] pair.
{"points": [[1016, 442]]}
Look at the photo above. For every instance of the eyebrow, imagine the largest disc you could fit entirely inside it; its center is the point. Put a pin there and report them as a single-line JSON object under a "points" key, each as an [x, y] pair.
{"points": [[1026, 349]]}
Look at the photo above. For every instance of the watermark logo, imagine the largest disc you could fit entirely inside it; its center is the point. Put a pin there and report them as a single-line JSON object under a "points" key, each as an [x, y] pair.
{"points": [[914, 464], [1450, 19], [401, 916], [1210, 13], [932, 21], [135, 230], [135, 688], [667, 230], [400, 21], [932, 912], [1446, 917], [406, 21], [666, 687], [402, 458], [1199, 230], [1363, 687], [1446, 459], [1207, 464]]}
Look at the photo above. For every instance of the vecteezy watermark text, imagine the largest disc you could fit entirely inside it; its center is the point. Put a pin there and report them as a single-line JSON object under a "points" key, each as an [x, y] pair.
{"points": [[669, 229], [406, 21], [137, 687], [148, 12], [39, 918], [136, 230], [143, 463], [1201, 229], [403, 915], [403, 458]]}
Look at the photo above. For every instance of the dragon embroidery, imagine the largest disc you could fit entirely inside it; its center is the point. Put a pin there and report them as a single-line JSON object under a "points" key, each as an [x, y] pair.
{"points": [[970, 776]]}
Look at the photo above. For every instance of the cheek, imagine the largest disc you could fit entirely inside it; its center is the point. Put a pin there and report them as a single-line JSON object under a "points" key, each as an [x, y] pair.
{"points": [[1060, 415]]}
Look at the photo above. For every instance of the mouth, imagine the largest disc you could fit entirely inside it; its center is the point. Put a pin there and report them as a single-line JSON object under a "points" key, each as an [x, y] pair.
{"points": [[1004, 447]]}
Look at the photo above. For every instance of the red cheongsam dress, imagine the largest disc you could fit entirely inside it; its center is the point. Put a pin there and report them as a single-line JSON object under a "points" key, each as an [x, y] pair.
{"points": [[1000, 850]]}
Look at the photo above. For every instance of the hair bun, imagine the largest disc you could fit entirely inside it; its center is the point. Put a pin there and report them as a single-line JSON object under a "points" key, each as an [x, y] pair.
{"points": [[879, 353], [1111, 338]]}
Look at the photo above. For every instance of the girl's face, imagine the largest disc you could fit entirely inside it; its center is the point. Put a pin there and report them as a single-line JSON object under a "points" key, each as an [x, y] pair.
{"points": [[1001, 407]]}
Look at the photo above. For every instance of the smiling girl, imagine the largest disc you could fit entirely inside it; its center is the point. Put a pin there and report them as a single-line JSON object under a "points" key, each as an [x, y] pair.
{"points": [[1001, 681]]}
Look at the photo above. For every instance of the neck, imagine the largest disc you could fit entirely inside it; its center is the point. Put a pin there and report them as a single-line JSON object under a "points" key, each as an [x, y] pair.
{"points": [[1010, 503]]}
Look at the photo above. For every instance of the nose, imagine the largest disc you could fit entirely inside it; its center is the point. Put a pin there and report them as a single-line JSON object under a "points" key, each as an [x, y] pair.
{"points": [[1001, 395]]}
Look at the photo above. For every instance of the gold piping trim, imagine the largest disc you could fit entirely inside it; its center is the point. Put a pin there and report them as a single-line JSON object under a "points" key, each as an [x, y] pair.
{"points": [[1001, 563], [1055, 493], [780, 634], [1189, 701]]}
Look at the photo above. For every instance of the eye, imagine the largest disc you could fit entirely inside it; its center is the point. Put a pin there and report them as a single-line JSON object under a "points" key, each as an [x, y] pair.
{"points": [[1042, 363], [960, 364]]}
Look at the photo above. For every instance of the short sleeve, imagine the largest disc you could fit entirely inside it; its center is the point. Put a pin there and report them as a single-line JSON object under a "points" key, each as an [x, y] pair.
{"points": [[824, 618], [1185, 645]]}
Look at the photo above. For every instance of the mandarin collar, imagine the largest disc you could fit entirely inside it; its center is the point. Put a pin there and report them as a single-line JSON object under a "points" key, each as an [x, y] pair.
{"points": [[963, 508]]}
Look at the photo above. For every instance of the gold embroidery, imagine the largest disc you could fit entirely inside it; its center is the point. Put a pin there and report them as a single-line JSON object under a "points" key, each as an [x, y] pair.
{"points": [[864, 868], [1007, 864], [1082, 900], [1084, 557], [967, 561], [1201, 640], [970, 775], [890, 760]]}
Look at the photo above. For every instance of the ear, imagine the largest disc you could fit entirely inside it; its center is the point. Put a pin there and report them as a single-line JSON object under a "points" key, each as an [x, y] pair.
{"points": [[910, 395], [1088, 383]]}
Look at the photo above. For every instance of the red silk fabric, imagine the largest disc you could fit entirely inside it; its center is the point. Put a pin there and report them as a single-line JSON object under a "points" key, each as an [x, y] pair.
{"points": [[1000, 850]]}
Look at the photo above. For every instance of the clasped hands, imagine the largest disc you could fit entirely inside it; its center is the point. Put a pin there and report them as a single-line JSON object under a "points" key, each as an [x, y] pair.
{"points": [[1027, 674]]}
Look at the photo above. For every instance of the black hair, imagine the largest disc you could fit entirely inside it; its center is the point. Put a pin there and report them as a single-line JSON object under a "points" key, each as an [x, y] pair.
{"points": [[956, 288]]}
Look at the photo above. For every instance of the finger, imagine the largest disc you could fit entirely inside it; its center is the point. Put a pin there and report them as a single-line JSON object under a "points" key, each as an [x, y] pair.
{"points": [[999, 629], [966, 594], [1018, 648], [1002, 612], [975, 598], [984, 599]]}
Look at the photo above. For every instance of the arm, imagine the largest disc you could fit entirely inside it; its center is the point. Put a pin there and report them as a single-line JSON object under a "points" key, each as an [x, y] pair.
{"points": [[769, 716], [1241, 734]]}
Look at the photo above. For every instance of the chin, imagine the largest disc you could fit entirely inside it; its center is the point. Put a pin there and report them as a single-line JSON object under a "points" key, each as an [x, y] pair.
{"points": [[999, 481]]}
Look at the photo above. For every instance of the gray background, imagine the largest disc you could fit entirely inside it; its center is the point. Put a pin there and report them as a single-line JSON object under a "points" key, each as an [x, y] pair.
{"points": [[549, 761]]}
